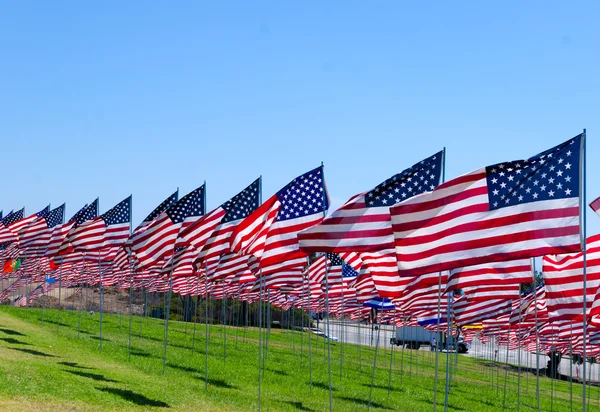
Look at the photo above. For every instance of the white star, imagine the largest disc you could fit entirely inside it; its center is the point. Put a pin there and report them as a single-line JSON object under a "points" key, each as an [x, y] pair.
{"points": [[535, 195], [568, 192], [520, 198], [494, 180], [551, 193], [568, 166], [495, 192]]}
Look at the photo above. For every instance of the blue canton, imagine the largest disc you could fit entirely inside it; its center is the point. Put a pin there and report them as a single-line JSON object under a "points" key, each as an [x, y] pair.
{"points": [[422, 177], [43, 212], [190, 205], [162, 207], [303, 196], [13, 217], [553, 174], [55, 217], [87, 213], [348, 271], [119, 214], [241, 205], [335, 259]]}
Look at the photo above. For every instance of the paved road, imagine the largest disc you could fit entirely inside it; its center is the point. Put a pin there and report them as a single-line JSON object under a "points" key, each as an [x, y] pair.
{"points": [[352, 332]]}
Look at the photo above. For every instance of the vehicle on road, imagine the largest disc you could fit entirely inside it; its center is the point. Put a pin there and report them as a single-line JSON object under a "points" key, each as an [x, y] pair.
{"points": [[415, 336]]}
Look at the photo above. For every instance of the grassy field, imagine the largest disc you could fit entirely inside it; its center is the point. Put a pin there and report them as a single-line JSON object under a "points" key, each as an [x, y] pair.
{"points": [[49, 367]]}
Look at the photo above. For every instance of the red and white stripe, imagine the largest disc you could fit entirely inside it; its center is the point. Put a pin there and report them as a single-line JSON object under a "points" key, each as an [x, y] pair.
{"points": [[563, 276], [453, 227]]}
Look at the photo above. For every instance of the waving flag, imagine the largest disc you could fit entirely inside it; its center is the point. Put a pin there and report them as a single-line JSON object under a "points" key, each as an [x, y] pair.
{"points": [[595, 205], [508, 211], [236, 210], [34, 238], [563, 278], [14, 222], [107, 230], [58, 243], [214, 227], [270, 232], [363, 224], [157, 242], [121, 258], [498, 280]]}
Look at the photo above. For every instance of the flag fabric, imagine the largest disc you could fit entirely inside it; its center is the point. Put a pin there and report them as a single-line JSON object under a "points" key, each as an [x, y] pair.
{"points": [[109, 229], [57, 243], [11, 265], [157, 242], [16, 226], [34, 238], [237, 209], [595, 205], [6, 235], [497, 280], [563, 277], [507, 211], [270, 232], [363, 223]]}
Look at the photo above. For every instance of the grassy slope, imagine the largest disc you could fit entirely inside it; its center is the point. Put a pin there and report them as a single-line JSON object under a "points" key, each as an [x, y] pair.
{"points": [[46, 367]]}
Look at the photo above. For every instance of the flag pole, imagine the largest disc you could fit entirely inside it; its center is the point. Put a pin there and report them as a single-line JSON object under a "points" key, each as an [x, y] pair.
{"points": [[168, 311], [325, 198], [81, 299], [392, 355], [309, 326], [131, 271], [448, 335], [582, 171], [537, 338], [206, 323], [101, 299]]}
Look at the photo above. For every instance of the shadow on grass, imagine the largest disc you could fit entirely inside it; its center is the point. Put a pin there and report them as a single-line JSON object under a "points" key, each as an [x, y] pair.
{"points": [[458, 408], [184, 368], [364, 402], [15, 341], [392, 388], [219, 383], [34, 352], [324, 386], [298, 405], [142, 354], [136, 398], [11, 332], [74, 365], [278, 372], [94, 376], [98, 338]]}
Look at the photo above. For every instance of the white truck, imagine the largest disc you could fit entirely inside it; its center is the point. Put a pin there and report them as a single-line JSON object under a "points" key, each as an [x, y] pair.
{"points": [[415, 336]]}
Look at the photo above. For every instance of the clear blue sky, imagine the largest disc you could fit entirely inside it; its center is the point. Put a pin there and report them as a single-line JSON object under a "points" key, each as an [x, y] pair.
{"points": [[107, 99]]}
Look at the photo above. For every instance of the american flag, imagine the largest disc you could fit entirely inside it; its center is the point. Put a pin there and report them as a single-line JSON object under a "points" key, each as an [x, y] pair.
{"points": [[363, 224], [563, 278], [109, 229], [595, 205], [215, 227], [6, 234], [467, 312], [496, 280], [122, 257], [34, 238], [157, 242], [270, 232], [57, 242], [237, 209], [508, 211], [20, 224]]}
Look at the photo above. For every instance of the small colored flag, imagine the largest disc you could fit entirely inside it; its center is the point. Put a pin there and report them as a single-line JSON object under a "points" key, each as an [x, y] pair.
{"points": [[595, 205], [11, 265]]}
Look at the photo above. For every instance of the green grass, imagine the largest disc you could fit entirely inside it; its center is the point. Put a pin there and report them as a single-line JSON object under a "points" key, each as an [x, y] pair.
{"points": [[47, 367]]}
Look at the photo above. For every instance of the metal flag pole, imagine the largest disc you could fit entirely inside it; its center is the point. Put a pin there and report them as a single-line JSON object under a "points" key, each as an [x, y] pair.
{"points": [[224, 313], [537, 338], [449, 333], [309, 332], [439, 342], [328, 338], [392, 355], [59, 292], [206, 323], [374, 364], [519, 358], [506, 366], [583, 221], [260, 337], [80, 299], [101, 299], [168, 311]]}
